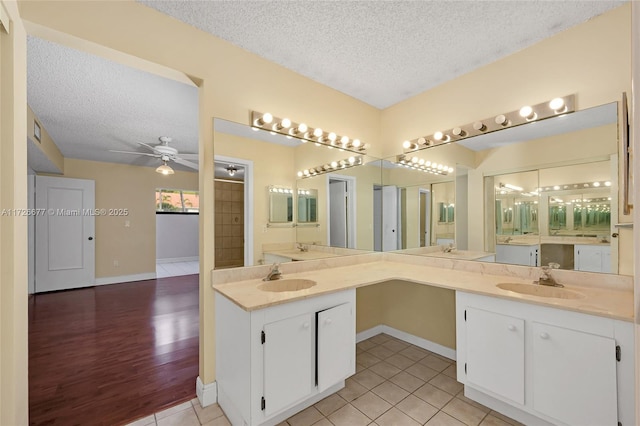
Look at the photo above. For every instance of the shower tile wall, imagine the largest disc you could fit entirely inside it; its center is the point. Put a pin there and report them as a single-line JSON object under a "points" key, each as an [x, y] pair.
{"points": [[229, 224]]}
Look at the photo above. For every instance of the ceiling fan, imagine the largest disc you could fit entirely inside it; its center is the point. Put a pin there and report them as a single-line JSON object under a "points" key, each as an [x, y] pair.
{"points": [[165, 153]]}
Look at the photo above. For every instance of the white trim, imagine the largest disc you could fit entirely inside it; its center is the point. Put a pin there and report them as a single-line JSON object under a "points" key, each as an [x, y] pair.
{"points": [[178, 259], [504, 408], [351, 208], [248, 203], [409, 338], [125, 278], [207, 394]]}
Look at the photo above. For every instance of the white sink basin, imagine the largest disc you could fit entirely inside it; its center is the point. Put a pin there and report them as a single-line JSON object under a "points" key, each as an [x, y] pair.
{"points": [[293, 284], [541, 290]]}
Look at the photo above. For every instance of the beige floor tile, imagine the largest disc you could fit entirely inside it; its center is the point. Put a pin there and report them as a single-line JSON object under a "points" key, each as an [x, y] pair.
{"points": [[443, 419], [360, 368], [451, 371], [400, 361], [422, 372], [417, 409], [435, 363], [505, 418], [461, 396], [493, 421], [349, 416], [395, 345], [414, 353], [466, 413], [380, 338], [175, 409], [181, 418], [145, 421], [368, 379], [395, 417], [220, 421], [381, 352], [330, 404], [407, 381], [323, 422], [390, 392], [358, 350], [351, 390], [447, 384], [367, 359], [434, 396], [385, 369], [306, 417], [366, 345], [371, 405], [208, 413]]}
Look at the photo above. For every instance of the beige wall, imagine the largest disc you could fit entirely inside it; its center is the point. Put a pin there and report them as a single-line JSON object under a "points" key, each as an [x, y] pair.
{"points": [[13, 228], [426, 312], [120, 186]]}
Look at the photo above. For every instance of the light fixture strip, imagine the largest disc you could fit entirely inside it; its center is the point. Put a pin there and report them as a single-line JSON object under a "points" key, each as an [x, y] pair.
{"points": [[593, 185], [526, 114], [284, 126], [422, 165], [331, 167]]}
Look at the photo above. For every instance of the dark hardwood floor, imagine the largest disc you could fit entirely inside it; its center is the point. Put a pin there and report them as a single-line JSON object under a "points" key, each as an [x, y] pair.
{"points": [[108, 355]]}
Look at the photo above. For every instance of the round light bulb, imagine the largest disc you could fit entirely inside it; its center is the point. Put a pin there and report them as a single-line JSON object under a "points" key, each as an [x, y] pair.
{"points": [[556, 187], [317, 132], [438, 136], [557, 104], [302, 127], [607, 183], [267, 118], [414, 159], [332, 137], [306, 172], [440, 166], [356, 143], [596, 184], [285, 123], [502, 120], [459, 132], [479, 126], [406, 144], [422, 141], [527, 112], [352, 160], [450, 169], [299, 174], [344, 140], [421, 161], [427, 163], [334, 164]]}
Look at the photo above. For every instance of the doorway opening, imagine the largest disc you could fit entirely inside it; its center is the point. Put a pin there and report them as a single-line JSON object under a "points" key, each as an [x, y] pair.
{"points": [[341, 211]]}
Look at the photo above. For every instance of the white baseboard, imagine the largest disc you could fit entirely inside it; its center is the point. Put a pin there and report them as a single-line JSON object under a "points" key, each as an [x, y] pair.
{"points": [[207, 394], [409, 338], [126, 278], [178, 259]]}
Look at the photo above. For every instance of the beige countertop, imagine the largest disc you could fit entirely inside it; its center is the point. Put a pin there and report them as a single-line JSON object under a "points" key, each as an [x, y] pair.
{"points": [[460, 254], [612, 301]]}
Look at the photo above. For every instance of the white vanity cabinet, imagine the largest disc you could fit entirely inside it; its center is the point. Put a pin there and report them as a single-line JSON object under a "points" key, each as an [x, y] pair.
{"points": [[542, 365], [518, 254], [273, 362], [592, 258]]}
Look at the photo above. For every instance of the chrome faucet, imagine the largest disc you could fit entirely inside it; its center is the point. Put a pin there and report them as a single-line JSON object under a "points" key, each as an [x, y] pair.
{"points": [[302, 247], [545, 275], [449, 248], [274, 273]]}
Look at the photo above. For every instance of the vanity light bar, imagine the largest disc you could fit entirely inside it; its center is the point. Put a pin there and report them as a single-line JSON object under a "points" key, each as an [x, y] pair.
{"points": [[524, 115], [422, 165], [280, 190], [331, 167], [571, 186], [284, 126]]}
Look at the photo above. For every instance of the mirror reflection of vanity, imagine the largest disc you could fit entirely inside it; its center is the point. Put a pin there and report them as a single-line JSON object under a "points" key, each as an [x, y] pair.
{"points": [[468, 210]]}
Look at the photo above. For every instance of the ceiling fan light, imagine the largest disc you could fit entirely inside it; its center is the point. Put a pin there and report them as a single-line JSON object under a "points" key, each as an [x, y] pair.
{"points": [[164, 169]]}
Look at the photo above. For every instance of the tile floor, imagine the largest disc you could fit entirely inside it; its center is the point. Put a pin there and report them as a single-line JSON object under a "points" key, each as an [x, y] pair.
{"points": [[395, 384], [175, 269]]}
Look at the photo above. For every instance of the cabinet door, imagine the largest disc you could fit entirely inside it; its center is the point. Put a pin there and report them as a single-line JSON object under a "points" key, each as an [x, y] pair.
{"points": [[606, 259], [574, 376], [495, 353], [588, 258], [336, 345], [288, 362]]}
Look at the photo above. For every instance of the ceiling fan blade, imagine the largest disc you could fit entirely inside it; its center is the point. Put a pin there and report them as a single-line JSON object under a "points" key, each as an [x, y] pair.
{"points": [[148, 146], [189, 156], [137, 153], [185, 163]]}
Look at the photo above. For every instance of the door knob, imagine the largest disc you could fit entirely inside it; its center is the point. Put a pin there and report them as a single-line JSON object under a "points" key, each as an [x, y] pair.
{"points": [[90, 238], [305, 325], [328, 321], [511, 327], [544, 335]]}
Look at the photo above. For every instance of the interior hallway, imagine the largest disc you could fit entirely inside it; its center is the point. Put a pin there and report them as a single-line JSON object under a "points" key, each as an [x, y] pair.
{"points": [[111, 354]]}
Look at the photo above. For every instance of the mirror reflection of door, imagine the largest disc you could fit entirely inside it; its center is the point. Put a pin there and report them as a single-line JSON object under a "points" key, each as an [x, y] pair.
{"points": [[390, 230], [338, 205], [425, 221], [229, 220]]}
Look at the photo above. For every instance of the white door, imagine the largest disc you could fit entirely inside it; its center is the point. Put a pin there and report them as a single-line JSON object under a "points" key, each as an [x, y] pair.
{"points": [[65, 233], [425, 218], [389, 218], [336, 345], [574, 376], [338, 213], [288, 362]]}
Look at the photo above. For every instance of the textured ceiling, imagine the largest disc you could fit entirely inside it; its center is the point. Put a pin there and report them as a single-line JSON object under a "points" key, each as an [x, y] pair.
{"points": [[378, 51], [382, 52], [89, 105]]}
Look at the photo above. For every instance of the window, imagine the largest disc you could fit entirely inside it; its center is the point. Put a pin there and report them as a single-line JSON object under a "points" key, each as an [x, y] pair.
{"points": [[177, 201]]}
